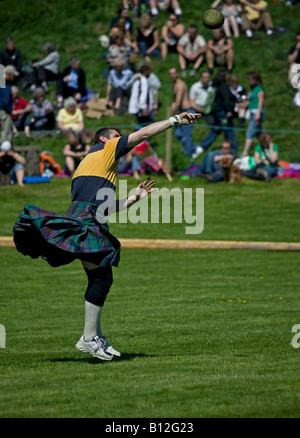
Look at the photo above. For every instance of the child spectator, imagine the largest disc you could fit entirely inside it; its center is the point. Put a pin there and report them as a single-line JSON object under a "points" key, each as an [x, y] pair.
{"points": [[11, 164]]}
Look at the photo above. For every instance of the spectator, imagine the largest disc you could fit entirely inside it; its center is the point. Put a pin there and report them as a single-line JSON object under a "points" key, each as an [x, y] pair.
{"points": [[266, 158], [171, 33], [220, 51], [42, 113], [155, 5], [147, 38], [141, 98], [11, 56], [20, 111], [130, 162], [256, 108], [70, 118], [6, 103], [123, 13], [222, 111], [181, 103], [191, 49], [45, 70], [240, 95], [120, 26], [294, 59], [155, 85], [231, 14], [71, 82], [210, 166], [255, 17], [11, 164], [119, 86], [199, 92], [119, 49], [74, 151]]}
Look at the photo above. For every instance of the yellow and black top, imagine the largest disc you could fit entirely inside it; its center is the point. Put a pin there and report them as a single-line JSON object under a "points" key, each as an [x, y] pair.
{"points": [[98, 169]]}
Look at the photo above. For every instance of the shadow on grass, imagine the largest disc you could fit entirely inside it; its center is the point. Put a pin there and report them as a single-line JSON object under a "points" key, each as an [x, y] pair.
{"points": [[94, 360]]}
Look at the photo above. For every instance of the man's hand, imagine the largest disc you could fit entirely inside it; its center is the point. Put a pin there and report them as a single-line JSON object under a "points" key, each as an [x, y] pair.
{"points": [[144, 188], [189, 118]]}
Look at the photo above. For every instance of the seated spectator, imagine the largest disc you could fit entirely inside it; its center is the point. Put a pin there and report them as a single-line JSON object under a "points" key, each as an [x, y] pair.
{"points": [[171, 33], [266, 159], [70, 118], [120, 26], [255, 17], [45, 70], [220, 51], [210, 166], [191, 49], [147, 38], [155, 5], [130, 162], [119, 49], [119, 86], [74, 151], [139, 7], [231, 14], [294, 59], [240, 95], [199, 92], [71, 82], [42, 113], [123, 13], [141, 97], [20, 111], [11, 56], [11, 164], [6, 103]]}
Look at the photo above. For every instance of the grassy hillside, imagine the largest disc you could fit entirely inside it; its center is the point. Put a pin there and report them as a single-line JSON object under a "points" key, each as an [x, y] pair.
{"points": [[75, 26]]}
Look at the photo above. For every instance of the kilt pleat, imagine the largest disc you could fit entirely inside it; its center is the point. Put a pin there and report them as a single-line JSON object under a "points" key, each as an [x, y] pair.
{"points": [[60, 239]]}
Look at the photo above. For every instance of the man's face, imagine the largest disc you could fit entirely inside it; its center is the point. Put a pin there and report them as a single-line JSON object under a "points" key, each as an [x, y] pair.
{"points": [[205, 77], [192, 32], [112, 134], [225, 147], [173, 74]]}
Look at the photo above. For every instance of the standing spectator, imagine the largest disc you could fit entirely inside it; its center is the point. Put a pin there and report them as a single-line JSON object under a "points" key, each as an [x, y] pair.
{"points": [[71, 82], [11, 56], [256, 108], [220, 51], [181, 102], [74, 151], [222, 111], [171, 33], [12, 164], [240, 95], [70, 118], [191, 49], [45, 70], [255, 16], [199, 92], [21, 110], [147, 38], [42, 113], [294, 59], [6, 103], [118, 86], [231, 13], [155, 5], [141, 98]]}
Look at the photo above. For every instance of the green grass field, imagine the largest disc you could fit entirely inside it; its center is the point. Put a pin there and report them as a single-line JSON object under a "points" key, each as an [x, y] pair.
{"points": [[203, 333]]}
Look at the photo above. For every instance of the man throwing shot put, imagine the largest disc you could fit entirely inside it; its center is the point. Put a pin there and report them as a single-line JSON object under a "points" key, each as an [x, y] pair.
{"points": [[82, 233]]}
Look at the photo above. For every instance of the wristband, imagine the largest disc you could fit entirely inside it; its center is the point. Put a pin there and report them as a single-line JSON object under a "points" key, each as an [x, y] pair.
{"points": [[175, 121]]}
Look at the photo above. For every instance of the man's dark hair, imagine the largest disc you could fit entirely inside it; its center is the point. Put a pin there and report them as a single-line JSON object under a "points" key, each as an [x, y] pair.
{"points": [[105, 132], [144, 68]]}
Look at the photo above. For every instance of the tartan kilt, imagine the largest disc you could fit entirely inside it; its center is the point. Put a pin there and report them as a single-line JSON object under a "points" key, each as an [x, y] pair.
{"points": [[60, 239]]}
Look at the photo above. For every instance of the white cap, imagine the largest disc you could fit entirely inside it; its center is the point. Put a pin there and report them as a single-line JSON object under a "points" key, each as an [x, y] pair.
{"points": [[6, 146]]}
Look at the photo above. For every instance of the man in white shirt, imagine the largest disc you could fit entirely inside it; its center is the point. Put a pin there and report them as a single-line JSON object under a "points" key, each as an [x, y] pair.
{"points": [[199, 92], [191, 49], [141, 98]]}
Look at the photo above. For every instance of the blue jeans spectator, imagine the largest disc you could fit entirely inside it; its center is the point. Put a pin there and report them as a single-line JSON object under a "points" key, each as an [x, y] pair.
{"points": [[211, 167], [220, 117], [184, 135], [254, 130], [143, 46]]}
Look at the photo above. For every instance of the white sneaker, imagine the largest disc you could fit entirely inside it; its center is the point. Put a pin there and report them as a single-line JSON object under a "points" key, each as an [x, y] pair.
{"points": [[109, 348], [95, 347], [197, 152]]}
